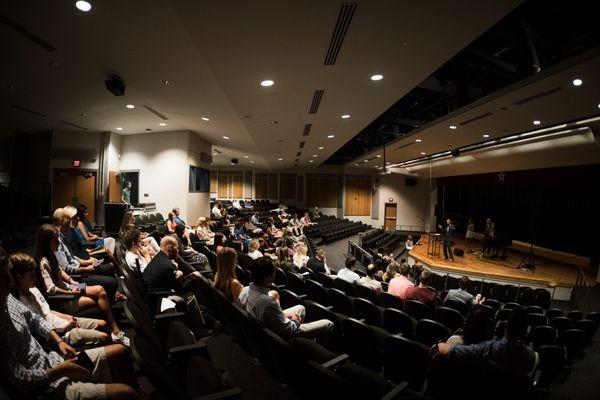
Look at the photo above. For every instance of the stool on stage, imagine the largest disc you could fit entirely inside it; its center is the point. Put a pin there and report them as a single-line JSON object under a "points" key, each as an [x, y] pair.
{"points": [[434, 243]]}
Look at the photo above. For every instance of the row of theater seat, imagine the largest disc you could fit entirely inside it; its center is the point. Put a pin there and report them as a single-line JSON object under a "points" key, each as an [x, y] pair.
{"points": [[381, 239]]}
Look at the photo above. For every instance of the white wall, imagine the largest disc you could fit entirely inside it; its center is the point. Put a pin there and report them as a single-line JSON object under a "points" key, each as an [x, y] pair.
{"points": [[114, 152], [67, 146], [162, 161], [198, 204]]}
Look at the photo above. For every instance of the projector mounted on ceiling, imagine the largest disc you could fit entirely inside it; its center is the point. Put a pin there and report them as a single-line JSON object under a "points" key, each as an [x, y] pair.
{"points": [[115, 85]]}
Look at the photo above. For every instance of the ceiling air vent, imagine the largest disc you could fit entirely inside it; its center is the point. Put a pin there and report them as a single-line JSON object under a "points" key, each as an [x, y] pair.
{"points": [[339, 32], [27, 110], [24, 32], [306, 130], [73, 125], [301, 145], [537, 96], [298, 154], [316, 101], [477, 118], [153, 111]]}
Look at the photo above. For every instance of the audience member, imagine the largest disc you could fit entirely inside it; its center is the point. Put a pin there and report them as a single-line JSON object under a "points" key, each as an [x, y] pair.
{"points": [[318, 263], [391, 271], [139, 253], [253, 251], [301, 256], [286, 323], [476, 328], [347, 273], [225, 279], [284, 260], [462, 295], [510, 353], [83, 231], [370, 280], [216, 211], [422, 292], [39, 373], [129, 222], [401, 283], [204, 233], [409, 243]]}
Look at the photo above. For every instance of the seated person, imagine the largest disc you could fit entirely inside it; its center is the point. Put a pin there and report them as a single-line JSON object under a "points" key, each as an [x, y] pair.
{"points": [[318, 263], [83, 231], [75, 246], [409, 243], [236, 204], [225, 279], [162, 274], [391, 271], [370, 280], [462, 295], [286, 323], [284, 260], [305, 220], [215, 213], [300, 258], [399, 285], [253, 251], [254, 219], [74, 331], [510, 353], [315, 214], [250, 227], [282, 218], [280, 210], [422, 292], [266, 247], [171, 224], [204, 233], [39, 373], [139, 253], [272, 229], [475, 330], [51, 279], [296, 225], [347, 273]]}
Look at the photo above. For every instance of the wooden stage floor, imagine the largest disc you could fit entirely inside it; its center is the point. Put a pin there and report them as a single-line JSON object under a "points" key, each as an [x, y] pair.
{"points": [[550, 272]]}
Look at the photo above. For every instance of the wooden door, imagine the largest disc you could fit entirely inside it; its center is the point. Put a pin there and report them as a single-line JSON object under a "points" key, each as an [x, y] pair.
{"points": [[114, 187], [63, 189], [85, 193], [223, 187], [237, 186], [390, 217], [358, 195]]}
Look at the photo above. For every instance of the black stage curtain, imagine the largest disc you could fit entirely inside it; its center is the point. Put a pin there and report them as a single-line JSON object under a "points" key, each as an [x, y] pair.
{"points": [[557, 208]]}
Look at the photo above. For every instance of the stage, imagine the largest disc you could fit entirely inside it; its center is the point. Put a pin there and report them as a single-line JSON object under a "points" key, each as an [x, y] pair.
{"points": [[555, 271]]}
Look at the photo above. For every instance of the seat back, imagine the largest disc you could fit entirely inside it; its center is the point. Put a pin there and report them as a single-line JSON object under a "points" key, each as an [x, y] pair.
{"points": [[325, 280], [542, 298], [542, 335], [458, 305], [344, 286], [387, 300], [561, 324], [574, 315], [449, 317], [430, 332], [535, 310], [551, 361], [366, 293], [398, 322], [405, 361], [295, 283], [537, 320], [588, 326], [340, 302], [417, 310], [315, 291], [554, 312], [362, 344], [364, 309], [574, 340]]}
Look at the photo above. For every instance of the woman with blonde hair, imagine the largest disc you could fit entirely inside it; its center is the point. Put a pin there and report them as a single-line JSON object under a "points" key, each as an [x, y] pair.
{"points": [[253, 251], [225, 279], [301, 256], [203, 231]]}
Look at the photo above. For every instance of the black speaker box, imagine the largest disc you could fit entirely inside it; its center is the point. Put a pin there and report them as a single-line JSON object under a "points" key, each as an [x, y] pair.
{"points": [[459, 252]]}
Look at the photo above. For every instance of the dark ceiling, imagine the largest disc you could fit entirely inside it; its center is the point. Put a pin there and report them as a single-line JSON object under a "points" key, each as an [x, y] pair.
{"points": [[535, 36]]}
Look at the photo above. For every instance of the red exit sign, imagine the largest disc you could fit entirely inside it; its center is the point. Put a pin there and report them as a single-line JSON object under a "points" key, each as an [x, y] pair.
{"points": [[76, 163]]}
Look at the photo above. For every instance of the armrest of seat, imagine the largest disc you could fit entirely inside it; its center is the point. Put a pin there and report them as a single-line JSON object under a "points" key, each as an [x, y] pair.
{"points": [[334, 362], [233, 393], [187, 349], [76, 277], [302, 296], [170, 316], [278, 287], [330, 308], [536, 377], [395, 391]]}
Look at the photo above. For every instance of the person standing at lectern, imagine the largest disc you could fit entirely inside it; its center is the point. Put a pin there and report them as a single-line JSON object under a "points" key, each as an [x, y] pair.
{"points": [[448, 236], [488, 236]]}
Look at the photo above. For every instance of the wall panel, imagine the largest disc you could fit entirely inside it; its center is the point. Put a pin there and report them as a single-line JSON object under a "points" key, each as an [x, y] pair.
{"points": [[357, 195], [287, 186], [321, 191], [260, 186]]}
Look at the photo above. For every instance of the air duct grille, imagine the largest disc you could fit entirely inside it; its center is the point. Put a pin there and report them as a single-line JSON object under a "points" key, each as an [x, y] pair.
{"points": [[306, 130], [339, 32], [316, 101], [153, 111], [477, 118], [537, 96]]}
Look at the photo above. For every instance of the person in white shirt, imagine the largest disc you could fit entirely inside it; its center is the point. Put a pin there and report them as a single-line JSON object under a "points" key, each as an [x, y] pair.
{"points": [[236, 204], [409, 243], [305, 220], [216, 211], [301, 257], [73, 331], [370, 281], [281, 209], [138, 252], [347, 273], [254, 219], [253, 251]]}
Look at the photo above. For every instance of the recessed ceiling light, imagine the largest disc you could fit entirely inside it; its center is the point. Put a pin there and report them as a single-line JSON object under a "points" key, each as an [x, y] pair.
{"points": [[119, 128], [83, 5], [537, 122], [356, 165], [577, 82], [280, 159], [251, 162], [423, 153], [320, 147], [226, 137], [245, 156], [388, 163], [332, 136], [205, 119], [310, 160], [345, 116], [452, 127], [366, 160], [376, 77], [314, 155], [418, 140], [130, 106], [267, 82], [162, 124], [485, 135], [378, 155], [83, 114]]}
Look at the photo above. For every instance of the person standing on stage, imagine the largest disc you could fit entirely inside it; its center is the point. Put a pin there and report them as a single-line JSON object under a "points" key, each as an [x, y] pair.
{"points": [[448, 236], [469, 234], [488, 236]]}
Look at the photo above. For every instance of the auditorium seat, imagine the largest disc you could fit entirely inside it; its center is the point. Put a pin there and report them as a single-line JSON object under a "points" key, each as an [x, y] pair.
{"points": [[315, 291], [398, 322], [325, 280], [542, 298], [387, 300], [574, 315], [574, 341], [280, 277], [594, 316], [511, 305], [542, 335], [458, 305], [535, 310], [366, 292], [405, 360], [417, 310], [449, 317], [536, 320], [295, 283], [366, 310], [561, 324], [588, 326], [340, 302], [344, 286], [551, 361], [362, 342], [554, 312], [495, 304], [502, 314], [289, 299], [430, 332]]}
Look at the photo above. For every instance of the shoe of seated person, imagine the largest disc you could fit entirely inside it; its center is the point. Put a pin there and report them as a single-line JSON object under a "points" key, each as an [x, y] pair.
{"points": [[120, 338]]}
